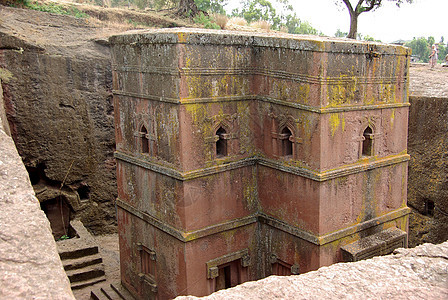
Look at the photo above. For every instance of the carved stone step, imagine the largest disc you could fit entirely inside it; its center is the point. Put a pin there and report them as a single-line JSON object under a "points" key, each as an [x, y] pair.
{"points": [[84, 283], [85, 273], [111, 292], [81, 262], [120, 290], [72, 253]]}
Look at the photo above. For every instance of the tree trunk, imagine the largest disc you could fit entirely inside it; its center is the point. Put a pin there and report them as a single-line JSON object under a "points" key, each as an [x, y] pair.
{"points": [[187, 8], [353, 26]]}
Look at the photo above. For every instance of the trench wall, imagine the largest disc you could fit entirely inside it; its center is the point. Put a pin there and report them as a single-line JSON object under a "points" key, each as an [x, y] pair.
{"points": [[59, 106], [428, 170], [30, 267]]}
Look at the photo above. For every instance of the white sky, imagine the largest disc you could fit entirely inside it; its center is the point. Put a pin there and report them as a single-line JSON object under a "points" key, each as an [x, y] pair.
{"points": [[388, 23]]}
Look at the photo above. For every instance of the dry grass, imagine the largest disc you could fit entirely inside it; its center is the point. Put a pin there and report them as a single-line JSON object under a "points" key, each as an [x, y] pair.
{"points": [[236, 21], [221, 20], [261, 25], [284, 29], [117, 25]]}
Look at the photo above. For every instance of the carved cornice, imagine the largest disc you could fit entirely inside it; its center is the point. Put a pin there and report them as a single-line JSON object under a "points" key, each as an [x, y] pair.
{"points": [[319, 176], [256, 71], [304, 107], [188, 236], [341, 171], [183, 176], [148, 97]]}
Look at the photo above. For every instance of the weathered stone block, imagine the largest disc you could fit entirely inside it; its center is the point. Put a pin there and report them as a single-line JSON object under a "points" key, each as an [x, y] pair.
{"points": [[280, 145]]}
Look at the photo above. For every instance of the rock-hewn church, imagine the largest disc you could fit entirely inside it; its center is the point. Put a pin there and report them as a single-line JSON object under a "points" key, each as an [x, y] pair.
{"points": [[244, 155]]}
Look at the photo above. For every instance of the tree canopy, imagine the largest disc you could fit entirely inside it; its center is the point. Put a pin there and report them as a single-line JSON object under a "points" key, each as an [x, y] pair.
{"points": [[421, 48], [363, 6], [264, 10]]}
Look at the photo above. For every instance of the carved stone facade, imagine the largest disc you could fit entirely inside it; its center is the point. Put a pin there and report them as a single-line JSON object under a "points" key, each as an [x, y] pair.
{"points": [[240, 156]]}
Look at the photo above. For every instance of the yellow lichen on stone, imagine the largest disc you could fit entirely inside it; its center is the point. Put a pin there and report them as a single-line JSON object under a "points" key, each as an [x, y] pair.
{"points": [[343, 92], [250, 192], [304, 92], [334, 123], [182, 37], [5, 75], [392, 118], [306, 125], [245, 132]]}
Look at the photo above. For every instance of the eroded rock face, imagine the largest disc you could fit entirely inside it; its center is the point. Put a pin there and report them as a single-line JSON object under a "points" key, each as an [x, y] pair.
{"points": [[428, 147], [420, 273], [58, 102], [30, 267]]}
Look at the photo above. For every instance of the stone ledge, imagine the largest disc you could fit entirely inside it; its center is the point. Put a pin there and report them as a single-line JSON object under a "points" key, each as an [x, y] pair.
{"points": [[196, 36], [419, 273], [234, 98], [266, 162], [188, 236]]}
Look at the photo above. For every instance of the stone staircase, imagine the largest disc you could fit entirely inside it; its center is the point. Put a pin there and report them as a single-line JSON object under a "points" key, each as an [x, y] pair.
{"points": [[114, 291], [81, 259]]}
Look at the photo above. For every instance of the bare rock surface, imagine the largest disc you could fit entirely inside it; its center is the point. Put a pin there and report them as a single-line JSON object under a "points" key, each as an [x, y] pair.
{"points": [[30, 267], [59, 105], [419, 273], [428, 82], [427, 146]]}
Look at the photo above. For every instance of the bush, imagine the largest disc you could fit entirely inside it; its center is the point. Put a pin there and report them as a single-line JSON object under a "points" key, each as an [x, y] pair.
{"points": [[206, 21], [54, 8]]}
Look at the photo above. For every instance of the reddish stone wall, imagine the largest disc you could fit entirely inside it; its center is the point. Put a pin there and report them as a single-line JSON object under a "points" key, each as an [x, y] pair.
{"points": [[296, 181]]}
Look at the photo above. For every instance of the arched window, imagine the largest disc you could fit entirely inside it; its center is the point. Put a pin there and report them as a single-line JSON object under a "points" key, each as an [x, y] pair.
{"points": [[221, 143], [285, 136], [144, 140], [367, 142]]}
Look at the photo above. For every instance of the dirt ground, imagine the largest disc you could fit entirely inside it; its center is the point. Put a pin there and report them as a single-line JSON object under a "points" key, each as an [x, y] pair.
{"points": [[109, 250], [428, 82]]}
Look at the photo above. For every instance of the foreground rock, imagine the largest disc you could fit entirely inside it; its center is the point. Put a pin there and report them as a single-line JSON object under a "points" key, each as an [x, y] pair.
{"points": [[30, 267], [419, 273]]}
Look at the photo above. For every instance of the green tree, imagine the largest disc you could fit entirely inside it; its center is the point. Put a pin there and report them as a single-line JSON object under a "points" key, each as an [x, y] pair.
{"points": [[194, 7], [213, 6], [420, 48], [297, 26], [363, 6], [187, 8], [340, 33], [443, 51], [370, 39], [255, 10]]}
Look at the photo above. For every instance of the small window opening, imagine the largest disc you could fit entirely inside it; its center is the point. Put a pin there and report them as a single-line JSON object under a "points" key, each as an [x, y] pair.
{"points": [[148, 267], [148, 262], [429, 207], [281, 269], [228, 276], [34, 175], [58, 213], [221, 143], [367, 143], [37, 174], [144, 140], [286, 136], [83, 191]]}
